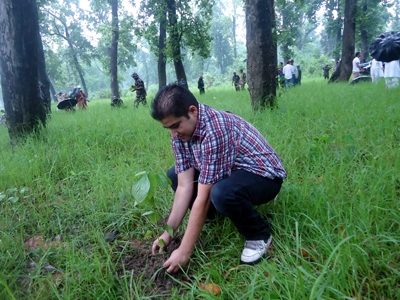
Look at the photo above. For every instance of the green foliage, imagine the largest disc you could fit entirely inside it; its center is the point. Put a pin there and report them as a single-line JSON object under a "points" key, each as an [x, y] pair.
{"points": [[144, 187], [191, 28]]}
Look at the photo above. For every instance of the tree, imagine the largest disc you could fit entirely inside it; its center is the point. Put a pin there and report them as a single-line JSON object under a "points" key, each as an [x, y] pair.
{"points": [[64, 24], [261, 52], [223, 40], [114, 49], [19, 30], [343, 72], [371, 20], [333, 27], [186, 26], [288, 20]]}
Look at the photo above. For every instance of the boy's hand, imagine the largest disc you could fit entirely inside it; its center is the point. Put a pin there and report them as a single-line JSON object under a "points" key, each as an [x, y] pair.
{"points": [[179, 258], [156, 245]]}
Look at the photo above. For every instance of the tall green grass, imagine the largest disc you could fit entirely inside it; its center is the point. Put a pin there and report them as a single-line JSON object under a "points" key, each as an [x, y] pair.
{"points": [[336, 220]]}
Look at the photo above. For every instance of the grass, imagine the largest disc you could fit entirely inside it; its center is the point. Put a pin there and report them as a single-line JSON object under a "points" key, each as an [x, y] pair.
{"points": [[336, 221]]}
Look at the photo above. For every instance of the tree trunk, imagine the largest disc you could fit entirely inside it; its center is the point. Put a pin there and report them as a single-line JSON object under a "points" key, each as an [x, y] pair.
{"points": [[364, 36], [114, 50], [43, 78], [234, 36], [19, 28], [336, 50], [52, 91], [348, 44], [175, 39], [162, 64], [261, 52]]}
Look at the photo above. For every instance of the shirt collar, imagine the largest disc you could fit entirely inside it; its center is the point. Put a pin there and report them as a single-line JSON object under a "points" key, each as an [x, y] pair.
{"points": [[196, 132]]}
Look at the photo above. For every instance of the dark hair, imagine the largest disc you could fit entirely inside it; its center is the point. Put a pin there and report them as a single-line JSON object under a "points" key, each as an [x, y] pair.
{"points": [[172, 99], [357, 53]]}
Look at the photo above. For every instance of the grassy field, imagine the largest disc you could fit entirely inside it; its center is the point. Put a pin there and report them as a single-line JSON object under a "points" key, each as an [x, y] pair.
{"points": [[336, 220]]}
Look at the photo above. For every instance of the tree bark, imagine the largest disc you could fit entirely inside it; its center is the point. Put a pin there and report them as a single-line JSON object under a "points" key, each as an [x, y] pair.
{"points": [[175, 39], [52, 91], [336, 51], [349, 37], [19, 29], [261, 52], [234, 36], [114, 50], [43, 78], [162, 64], [364, 36]]}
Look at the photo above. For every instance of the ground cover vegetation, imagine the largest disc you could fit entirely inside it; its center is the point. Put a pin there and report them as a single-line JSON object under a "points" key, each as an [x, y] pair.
{"points": [[70, 228]]}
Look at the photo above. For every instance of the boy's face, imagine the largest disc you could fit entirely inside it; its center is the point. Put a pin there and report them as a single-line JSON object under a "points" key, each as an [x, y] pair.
{"points": [[181, 127]]}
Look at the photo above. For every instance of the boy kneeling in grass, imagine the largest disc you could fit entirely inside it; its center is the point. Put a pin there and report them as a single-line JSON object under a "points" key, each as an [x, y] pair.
{"points": [[223, 165]]}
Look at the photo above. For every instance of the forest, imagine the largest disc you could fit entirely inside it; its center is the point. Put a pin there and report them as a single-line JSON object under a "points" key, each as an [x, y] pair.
{"points": [[98, 44], [83, 192]]}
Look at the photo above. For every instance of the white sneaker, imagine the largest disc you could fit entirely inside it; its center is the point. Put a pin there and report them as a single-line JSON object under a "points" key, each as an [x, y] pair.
{"points": [[254, 251]]}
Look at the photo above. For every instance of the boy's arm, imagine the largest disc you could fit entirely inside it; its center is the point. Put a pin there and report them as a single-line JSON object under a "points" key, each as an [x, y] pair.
{"points": [[180, 205], [180, 257]]}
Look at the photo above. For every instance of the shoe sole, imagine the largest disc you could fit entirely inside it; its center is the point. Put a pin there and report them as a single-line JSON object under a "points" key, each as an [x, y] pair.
{"points": [[251, 263]]}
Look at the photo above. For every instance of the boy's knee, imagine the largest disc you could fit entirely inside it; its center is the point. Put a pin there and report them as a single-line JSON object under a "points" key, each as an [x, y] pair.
{"points": [[219, 198], [173, 177]]}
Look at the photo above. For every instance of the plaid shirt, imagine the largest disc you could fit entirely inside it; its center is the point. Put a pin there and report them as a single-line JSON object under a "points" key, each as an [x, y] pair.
{"points": [[223, 142]]}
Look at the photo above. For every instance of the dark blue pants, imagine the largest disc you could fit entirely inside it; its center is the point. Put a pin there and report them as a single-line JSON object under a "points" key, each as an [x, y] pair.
{"points": [[234, 198]]}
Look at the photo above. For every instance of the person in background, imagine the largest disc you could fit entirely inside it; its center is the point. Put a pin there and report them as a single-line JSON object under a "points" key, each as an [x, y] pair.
{"points": [[287, 72], [299, 75], [392, 73], [236, 81], [183, 83], [295, 72], [357, 70], [140, 90], [82, 100], [376, 70], [242, 79], [223, 166], [200, 85], [326, 71], [116, 102]]}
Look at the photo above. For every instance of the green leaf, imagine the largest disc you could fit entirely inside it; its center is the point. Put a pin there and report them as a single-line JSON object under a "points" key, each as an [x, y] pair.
{"points": [[163, 181], [161, 243], [169, 229], [24, 189], [2, 197], [153, 185], [141, 187], [152, 216], [148, 234], [13, 199], [12, 190]]}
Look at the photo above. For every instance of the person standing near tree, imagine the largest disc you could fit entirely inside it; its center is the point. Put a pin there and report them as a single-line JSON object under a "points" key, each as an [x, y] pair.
{"points": [[242, 79], [356, 66], [140, 90], [223, 165], [236, 81], [326, 71], [287, 72], [200, 85]]}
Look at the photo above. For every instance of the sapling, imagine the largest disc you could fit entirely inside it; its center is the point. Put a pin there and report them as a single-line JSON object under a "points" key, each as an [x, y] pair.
{"points": [[144, 187]]}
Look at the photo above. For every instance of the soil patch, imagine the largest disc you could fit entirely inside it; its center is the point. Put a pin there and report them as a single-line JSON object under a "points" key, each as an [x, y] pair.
{"points": [[152, 279]]}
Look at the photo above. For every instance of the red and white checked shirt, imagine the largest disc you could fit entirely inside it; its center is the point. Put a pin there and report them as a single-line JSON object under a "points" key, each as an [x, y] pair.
{"points": [[223, 142]]}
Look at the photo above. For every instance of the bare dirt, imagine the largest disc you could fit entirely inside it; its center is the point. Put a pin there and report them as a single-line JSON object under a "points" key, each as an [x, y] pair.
{"points": [[148, 268]]}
